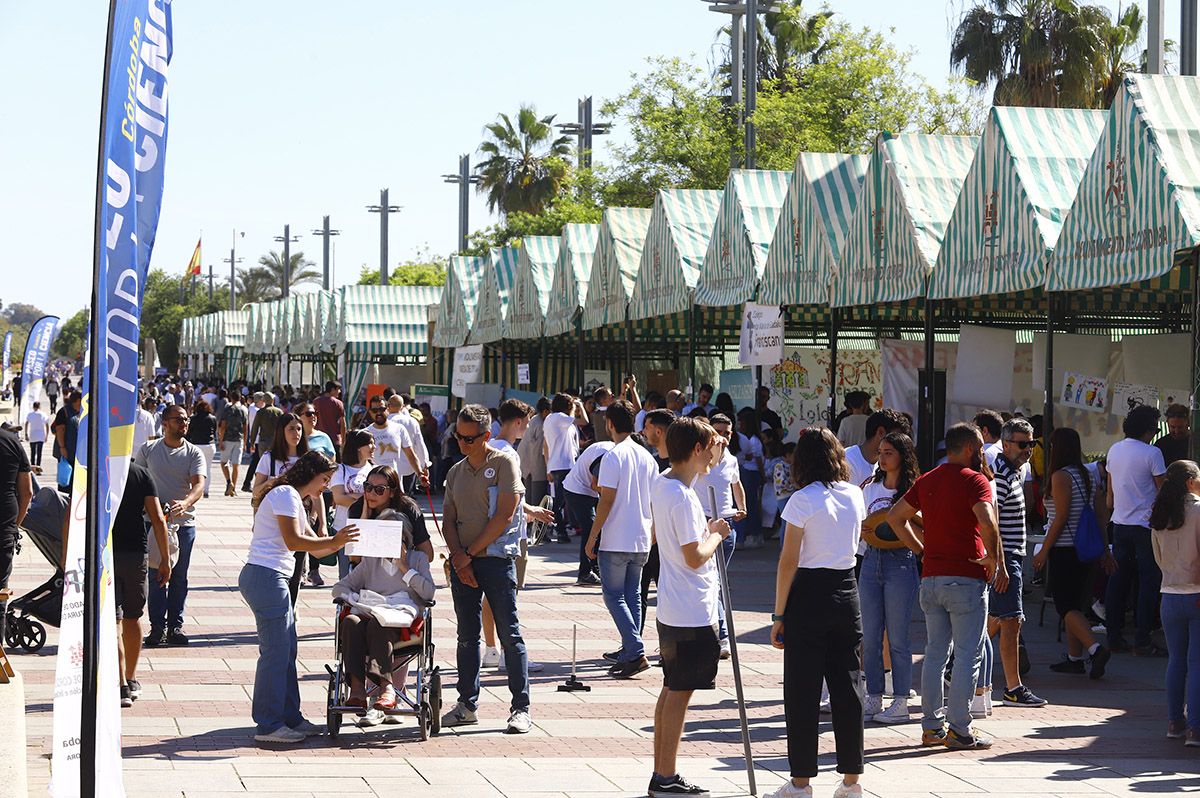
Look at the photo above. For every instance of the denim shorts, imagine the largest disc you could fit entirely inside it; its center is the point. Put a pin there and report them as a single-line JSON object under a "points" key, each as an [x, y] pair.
{"points": [[1008, 603]]}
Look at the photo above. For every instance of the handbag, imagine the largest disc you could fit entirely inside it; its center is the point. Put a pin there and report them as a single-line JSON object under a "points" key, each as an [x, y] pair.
{"points": [[1089, 540], [154, 556], [64, 471]]}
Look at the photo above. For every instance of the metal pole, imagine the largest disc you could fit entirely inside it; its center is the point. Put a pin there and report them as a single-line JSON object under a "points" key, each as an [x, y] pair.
{"points": [[210, 282], [233, 277], [587, 132], [287, 260], [1154, 37], [1048, 393], [325, 236], [464, 200], [1187, 37], [929, 398], [628, 345], [1193, 444], [751, 78], [383, 237], [736, 69], [579, 138], [834, 319], [691, 337], [579, 351]]}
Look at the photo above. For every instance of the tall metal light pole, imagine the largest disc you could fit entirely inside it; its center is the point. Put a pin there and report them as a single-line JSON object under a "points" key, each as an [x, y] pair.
{"points": [[744, 70], [326, 234], [210, 282], [287, 238], [1187, 37], [464, 179], [384, 210], [233, 260], [1154, 37], [584, 130]]}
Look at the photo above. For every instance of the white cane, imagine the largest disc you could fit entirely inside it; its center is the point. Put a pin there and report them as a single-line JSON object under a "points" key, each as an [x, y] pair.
{"points": [[733, 651]]}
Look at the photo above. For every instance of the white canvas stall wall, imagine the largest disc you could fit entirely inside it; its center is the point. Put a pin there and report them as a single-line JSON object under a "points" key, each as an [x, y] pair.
{"points": [[1084, 354], [983, 376], [1159, 360]]}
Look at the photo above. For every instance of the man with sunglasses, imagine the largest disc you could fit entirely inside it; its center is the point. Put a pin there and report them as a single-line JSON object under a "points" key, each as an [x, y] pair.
{"points": [[393, 444], [177, 467], [481, 524]]}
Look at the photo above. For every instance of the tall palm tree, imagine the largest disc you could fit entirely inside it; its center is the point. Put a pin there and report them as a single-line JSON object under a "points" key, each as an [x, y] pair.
{"points": [[257, 284], [524, 165], [794, 37], [1120, 41], [1042, 53], [300, 269]]}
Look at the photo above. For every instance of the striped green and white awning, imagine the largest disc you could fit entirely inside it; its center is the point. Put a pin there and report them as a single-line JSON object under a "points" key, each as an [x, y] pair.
{"points": [[456, 311], [491, 312], [185, 336], [572, 272], [741, 237], [204, 336], [331, 319], [811, 232], [385, 320], [681, 225], [253, 316], [1139, 199], [1022, 182], [229, 329], [619, 245], [909, 192], [298, 338], [530, 295]]}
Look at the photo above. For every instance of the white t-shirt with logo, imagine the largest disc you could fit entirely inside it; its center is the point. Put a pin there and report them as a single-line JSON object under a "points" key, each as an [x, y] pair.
{"points": [[390, 443], [266, 541], [270, 467], [687, 597], [721, 479], [562, 441], [413, 428], [831, 516], [1132, 466], [579, 479], [628, 469], [352, 479]]}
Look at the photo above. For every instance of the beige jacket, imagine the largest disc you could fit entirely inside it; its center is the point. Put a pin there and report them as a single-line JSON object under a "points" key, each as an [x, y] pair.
{"points": [[1177, 551]]}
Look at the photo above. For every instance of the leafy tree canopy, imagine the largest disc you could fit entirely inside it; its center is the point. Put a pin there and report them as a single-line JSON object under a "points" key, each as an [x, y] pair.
{"points": [[424, 269]]}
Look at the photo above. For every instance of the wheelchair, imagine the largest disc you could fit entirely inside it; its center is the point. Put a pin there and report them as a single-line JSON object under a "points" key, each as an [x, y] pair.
{"points": [[420, 698]]}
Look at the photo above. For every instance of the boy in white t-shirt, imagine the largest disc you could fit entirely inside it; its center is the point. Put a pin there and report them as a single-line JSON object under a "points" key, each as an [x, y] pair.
{"points": [[36, 425], [688, 587]]}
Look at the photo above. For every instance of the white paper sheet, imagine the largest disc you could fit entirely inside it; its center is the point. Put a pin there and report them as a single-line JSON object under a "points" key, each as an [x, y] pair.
{"points": [[377, 539], [985, 366]]}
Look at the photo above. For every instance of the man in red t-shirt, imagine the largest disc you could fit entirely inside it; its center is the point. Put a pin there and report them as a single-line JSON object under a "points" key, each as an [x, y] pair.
{"points": [[961, 546], [331, 413]]}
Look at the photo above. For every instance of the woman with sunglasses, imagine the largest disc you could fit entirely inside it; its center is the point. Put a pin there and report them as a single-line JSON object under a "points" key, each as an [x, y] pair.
{"points": [[347, 483], [281, 527], [363, 637]]}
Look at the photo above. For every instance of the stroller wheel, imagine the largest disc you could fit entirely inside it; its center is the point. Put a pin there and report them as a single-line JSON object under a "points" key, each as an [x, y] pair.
{"points": [[33, 637], [13, 627], [435, 702]]}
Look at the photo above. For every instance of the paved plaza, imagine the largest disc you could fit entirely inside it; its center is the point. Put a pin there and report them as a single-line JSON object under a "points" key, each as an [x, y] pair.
{"points": [[190, 734]]}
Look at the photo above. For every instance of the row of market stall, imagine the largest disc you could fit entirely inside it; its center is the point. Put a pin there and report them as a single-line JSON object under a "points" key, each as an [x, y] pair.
{"points": [[950, 259]]}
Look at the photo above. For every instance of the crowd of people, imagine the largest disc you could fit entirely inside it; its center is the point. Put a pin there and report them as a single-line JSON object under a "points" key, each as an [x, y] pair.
{"points": [[651, 490]]}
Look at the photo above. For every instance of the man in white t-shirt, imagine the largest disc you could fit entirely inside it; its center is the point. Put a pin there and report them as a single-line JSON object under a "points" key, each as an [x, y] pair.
{"points": [[36, 427], [702, 400], [393, 446], [688, 587], [1135, 473], [560, 445], [582, 496], [398, 405], [862, 458], [990, 424], [621, 534]]}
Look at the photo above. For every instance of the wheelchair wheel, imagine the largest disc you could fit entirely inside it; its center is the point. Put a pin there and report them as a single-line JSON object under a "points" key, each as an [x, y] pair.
{"points": [[538, 530], [33, 637], [435, 701], [333, 718], [425, 720]]}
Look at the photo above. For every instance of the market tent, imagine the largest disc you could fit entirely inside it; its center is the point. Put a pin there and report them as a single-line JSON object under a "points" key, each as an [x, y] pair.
{"points": [[572, 271], [681, 224], [331, 319], [456, 311], [1139, 199], [230, 339], [491, 314], [619, 244], [811, 232], [1021, 184], [741, 237], [908, 196], [530, 294]]}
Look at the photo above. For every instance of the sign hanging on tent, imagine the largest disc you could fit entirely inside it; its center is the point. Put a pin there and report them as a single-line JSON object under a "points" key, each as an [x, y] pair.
{"points": [[1176, 396], [522, 374], [1084, 392], [739, 384], [468, 364], [593, 379], [761, 341], [1128, 395]]}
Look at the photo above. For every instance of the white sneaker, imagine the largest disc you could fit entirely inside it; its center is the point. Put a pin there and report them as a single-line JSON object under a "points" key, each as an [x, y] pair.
{"points": [[872, 706], [979, 706], [530, 666], [281, 735], [491, 658], [848, 791], [373, 717], [309, 729], [460, 716], [897, 712], [887, 684], [519, 722], [826, 709], [789, 790], [1098, 608], [726, 653]]}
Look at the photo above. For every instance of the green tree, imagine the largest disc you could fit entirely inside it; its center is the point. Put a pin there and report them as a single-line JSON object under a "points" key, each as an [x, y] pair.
{"points": [[20, 314], [1039, 53], [423, 269], [163, 312], [524, 165], [72, 338], [1121, 52], [301, 271], [257, 284]]}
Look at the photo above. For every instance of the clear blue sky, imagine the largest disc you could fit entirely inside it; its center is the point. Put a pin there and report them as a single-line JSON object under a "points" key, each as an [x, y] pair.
{"points": [[284, 111]]}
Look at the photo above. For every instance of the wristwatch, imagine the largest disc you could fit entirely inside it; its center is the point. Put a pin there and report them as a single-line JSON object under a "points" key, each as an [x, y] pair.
{"points": [[775, 617]]}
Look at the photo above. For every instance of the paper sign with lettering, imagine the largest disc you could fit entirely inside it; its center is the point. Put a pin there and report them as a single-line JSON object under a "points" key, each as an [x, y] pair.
{"points": [[761, 341]]}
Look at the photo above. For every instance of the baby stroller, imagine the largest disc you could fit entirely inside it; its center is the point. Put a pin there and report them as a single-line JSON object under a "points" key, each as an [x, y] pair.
{"points": [[43, 525], [422, 698]]}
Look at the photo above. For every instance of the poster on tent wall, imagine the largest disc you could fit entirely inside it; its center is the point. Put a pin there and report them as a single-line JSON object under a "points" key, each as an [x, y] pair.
{"points": [[984, 376], [1175, 396], [761, 339], [800, 385], [1128, 395], [593, 379], [1084, 392], [468, 367], [739, 384], [1157, 359], [437, 396]]}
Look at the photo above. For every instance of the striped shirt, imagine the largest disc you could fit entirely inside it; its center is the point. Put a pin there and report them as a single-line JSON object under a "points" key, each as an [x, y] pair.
{"points": [[1010, 505]]}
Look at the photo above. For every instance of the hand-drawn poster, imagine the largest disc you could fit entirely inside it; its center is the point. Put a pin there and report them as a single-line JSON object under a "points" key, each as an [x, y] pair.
{"points": [[800, 385], [1084, 392], [1128, 395]]}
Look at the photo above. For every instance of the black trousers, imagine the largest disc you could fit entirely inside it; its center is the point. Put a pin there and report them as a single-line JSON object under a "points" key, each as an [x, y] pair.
{"points": [[35, 452], [822, 633], [649, 574], [248, 482]]}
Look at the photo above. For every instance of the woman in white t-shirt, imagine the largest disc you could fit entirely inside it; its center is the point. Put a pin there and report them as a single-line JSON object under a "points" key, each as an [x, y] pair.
{"points": [[347, 482], [281, 527], [888, 582], [816, 607], [288, 445]]}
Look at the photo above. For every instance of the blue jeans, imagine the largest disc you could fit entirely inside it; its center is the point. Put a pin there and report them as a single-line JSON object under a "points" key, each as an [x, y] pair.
{"points": [[728, 547], [1181, 624], [887, 590], [621, 584], [1134, 554], [167, 603], [276, 699], [955, 610], [986, 661], [560, 503], [497, 579]]}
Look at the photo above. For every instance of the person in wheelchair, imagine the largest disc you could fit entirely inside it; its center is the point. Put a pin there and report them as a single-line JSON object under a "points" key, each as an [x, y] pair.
{"points": [[366, 641]]}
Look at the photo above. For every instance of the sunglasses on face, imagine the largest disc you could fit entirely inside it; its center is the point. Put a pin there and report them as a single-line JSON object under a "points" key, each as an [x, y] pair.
{"points": [[378, 490], [1021, 444], [468, 439], [310, 414]]}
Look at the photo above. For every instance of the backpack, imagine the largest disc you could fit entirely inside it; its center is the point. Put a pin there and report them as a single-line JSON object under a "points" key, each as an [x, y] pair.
{"points": [[1089, 540]]}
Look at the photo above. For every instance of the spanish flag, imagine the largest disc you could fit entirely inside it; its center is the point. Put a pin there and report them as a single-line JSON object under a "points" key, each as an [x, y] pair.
{"points": [[193, 268]]}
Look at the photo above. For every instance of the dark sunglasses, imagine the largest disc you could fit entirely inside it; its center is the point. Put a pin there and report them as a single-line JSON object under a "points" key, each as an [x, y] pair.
{"points": [[378, 490], [310, 413], [376, 411], [468, 439], [1020, 444]]}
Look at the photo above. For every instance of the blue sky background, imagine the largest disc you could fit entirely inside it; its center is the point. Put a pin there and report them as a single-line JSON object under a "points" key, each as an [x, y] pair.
{"points": [[284, 111]]}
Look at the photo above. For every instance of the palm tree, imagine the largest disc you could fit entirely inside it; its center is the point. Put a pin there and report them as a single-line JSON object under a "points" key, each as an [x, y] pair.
{"points": [[524, 167], [1041, 53], [794, 37], [264, 282], [300, 270], [1120, 42], [256, 284]]}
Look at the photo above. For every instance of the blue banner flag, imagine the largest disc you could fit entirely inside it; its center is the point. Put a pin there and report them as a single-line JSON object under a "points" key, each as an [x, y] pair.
{"points": [[133, 139], [37, 357], [5, 366]]}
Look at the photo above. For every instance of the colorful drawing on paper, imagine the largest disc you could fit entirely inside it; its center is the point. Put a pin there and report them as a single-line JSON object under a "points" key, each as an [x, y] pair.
{"points": [[1128, 395], [1084, 392]]}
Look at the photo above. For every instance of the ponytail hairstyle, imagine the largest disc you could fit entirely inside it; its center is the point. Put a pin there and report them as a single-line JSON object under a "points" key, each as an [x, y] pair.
{"points": [[1168, 510], [310, 466]]}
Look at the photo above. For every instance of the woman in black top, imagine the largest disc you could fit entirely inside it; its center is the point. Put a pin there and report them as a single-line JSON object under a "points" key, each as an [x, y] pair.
{"points": [[202, 431]]}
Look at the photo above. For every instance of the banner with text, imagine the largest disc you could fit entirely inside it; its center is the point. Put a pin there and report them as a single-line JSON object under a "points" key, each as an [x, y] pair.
{"points": [[800, 385], [468, 366], [761, 341], [6, 362], [37, 356]]}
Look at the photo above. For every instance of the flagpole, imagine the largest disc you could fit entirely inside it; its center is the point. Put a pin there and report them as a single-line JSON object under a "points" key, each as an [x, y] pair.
{"points": [[91, 596]]}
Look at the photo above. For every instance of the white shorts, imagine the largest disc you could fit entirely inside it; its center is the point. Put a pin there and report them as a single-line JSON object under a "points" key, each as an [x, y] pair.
{"points": [[231, 452]]}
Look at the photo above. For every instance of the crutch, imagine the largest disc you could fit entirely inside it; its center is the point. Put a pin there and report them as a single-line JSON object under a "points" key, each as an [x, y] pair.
{"points": [[733, 650]]}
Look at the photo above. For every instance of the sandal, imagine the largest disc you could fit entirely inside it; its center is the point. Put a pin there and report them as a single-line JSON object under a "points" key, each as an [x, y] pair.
{"points": [[386, 700]]}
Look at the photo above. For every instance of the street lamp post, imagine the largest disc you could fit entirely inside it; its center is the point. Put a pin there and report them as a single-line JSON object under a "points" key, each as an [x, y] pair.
{"points": [[465, 180], [384, 210], [326, 234], [233, 260], [287, 238], [744, 71], [584, 130]]}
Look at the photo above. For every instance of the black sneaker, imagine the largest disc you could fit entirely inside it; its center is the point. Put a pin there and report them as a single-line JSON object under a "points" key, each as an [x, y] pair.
{"points": [[674, 785], [627, 670], [177, 638], [135, 689], [967, 742], [1021, 696], [126, 698], [612, 656], [156, 638], [587, 580], [1098, 661], [1069, 665]]}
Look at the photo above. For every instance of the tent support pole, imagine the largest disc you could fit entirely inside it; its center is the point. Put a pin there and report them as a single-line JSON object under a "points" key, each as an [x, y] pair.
{"points": [[691, 337], [928, 398], [628, 345], [1195, 409], [542, 368], [834, 319], [1048, 392], [579, 353]]}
